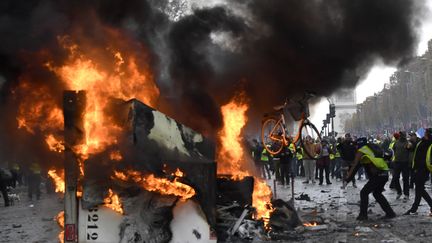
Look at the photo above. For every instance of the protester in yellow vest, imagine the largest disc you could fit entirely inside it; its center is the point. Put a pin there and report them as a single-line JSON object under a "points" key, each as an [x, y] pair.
{"points": [[422, 166], [370, 156], [266, 159], [34, 180]]}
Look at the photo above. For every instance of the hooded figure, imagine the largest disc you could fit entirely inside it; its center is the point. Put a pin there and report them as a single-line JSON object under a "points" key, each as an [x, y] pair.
{"points": [[370, 156]]}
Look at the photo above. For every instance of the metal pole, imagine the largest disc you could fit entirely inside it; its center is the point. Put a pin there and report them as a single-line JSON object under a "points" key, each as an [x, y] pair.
{"points": [[73, 111], [332, 124]]}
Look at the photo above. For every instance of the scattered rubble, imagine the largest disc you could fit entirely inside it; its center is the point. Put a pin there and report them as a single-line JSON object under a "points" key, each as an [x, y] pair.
{"points": [[303, 197]]}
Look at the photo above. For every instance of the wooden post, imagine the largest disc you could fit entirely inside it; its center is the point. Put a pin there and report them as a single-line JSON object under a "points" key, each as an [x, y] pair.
{"points": [[74, 103]]}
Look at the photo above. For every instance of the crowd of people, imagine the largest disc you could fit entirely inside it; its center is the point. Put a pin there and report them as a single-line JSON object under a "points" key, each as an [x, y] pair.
{"points": [[350, 158], [12, 175]]}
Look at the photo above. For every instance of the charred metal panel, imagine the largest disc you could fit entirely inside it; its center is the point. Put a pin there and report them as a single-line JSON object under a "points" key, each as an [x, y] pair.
{"points": [[229, 190], [151, 142]]}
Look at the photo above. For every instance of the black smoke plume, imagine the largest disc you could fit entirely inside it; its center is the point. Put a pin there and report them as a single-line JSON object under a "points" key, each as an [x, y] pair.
{"points": [[273, 48]]}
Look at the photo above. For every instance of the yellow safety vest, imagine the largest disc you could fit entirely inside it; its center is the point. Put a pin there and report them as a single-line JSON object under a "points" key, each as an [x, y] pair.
{"points": [[300, 154], [35, 168], [292, 148], [369, 157], [428, 159], [337, 154], [264, 155]]}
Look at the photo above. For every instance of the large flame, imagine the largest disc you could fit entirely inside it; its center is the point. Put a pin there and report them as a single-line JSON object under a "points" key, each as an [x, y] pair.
{"points": [[37, 109], [232, 159], [116, 69], [113, 202], [161, 185], [230, 154], [54, 143], [115, 77], [60, 220], [58, 180], [261, 200]]}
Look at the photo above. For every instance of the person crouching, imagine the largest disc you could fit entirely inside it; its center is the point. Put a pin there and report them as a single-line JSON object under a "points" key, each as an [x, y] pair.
{"points": [[370, 156]]}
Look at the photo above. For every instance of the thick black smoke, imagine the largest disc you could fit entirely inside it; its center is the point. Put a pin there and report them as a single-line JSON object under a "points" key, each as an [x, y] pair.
{"points": [[290, 46], [273, 48]]}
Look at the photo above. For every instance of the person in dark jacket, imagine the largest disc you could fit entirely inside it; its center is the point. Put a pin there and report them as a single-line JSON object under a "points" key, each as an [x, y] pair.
{"points": [[285, 157], [5, 178], [370, 156], [421, 171], [257, 150], [412, 144], [401, 165], [348, 151]]}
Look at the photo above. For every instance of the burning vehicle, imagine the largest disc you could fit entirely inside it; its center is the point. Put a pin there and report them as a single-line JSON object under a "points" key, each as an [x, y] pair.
{"points": [[138, 110], [141, 168]]}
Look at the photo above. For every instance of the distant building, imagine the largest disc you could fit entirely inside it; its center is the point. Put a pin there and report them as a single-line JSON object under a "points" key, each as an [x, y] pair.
{"points": [[346, 104]]}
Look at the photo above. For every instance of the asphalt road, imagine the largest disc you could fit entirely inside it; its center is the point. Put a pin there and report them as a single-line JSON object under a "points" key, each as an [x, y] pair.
{"points": [[339, 208], [30, 221], [34, 221]]}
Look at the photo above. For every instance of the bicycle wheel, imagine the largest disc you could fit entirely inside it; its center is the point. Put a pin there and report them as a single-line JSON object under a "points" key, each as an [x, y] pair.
{"points": [[272, 133], [309, 129]]}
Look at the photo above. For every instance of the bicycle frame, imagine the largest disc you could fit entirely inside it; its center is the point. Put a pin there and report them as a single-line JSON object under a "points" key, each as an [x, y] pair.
{"points": [[284, 135]]}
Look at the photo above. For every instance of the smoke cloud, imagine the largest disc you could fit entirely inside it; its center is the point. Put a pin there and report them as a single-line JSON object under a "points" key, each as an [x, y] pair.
{"points": [[201, 55]]}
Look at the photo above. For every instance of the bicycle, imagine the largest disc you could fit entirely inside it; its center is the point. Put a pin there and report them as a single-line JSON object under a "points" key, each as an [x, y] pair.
{"points": [[274, 134]]}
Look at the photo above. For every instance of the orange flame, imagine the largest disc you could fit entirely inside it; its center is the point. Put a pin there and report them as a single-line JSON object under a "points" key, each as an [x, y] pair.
{"points": [[230, 155], [37, 109], [261, 201], [58, 180], [232, 159], [113, 202], [118, 69], [118, 77], [60, 220], [116, 155], [308, 224], [160, 185], [54, 144]]}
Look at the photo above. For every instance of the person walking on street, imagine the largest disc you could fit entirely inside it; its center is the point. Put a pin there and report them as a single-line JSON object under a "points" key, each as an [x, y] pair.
{"points": [[422, 166], [309, 163], [348, 151], [401, 165], [370, 156]]}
